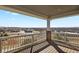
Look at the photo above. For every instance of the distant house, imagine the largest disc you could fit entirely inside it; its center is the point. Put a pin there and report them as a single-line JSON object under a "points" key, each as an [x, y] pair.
{"points": [[21, 32], [29, 30]]}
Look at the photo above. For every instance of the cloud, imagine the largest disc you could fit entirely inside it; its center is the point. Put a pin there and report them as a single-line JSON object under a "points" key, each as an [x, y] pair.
{"points": [[13, 13]]}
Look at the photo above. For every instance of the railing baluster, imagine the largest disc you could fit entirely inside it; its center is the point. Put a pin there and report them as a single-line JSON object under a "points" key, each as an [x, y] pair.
{"points": [[17, 42], [3, 45], [32, 38], [20, 41], [0, 46], [13, 42], [9, 44], [6, 46]]}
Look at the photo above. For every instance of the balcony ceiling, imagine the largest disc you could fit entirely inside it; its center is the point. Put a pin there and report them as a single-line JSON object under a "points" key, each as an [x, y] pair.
{"points": [[44, 11]]}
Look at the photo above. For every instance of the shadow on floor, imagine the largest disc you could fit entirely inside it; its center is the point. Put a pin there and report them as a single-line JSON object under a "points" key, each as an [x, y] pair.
{"points": [[56, 47], [67, 45], [40, 47]]}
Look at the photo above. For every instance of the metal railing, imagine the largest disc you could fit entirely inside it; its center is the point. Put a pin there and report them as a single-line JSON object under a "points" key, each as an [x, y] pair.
{"points": [[11, 43]]}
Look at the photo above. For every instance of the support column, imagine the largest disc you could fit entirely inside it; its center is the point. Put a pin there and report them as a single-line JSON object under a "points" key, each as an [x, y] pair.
{"points": [[48, 32]]}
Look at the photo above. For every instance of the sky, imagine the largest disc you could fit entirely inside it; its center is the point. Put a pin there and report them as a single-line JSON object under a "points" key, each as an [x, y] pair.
{"points": [[11, 19]]}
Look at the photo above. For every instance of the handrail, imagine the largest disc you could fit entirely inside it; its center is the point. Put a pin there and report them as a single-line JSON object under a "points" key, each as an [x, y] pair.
{"points": [[71, 38], [6, 37], [10, 43], [66, 44], [26, 46]]}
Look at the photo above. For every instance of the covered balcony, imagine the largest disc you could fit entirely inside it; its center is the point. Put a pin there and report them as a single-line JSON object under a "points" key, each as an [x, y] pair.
{"points": [[46, 41]]}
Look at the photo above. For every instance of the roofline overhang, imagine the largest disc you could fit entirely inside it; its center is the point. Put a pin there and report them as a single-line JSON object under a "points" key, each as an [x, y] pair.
{"points": [[65, 14], [38, 15], [28, 13]]}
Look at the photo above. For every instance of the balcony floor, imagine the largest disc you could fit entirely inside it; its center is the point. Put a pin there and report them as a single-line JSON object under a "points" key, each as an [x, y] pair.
{"points": [[49, 48]]}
